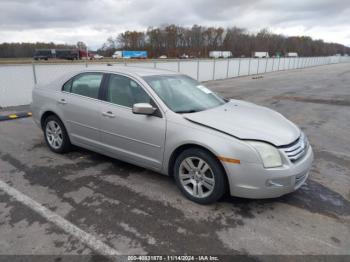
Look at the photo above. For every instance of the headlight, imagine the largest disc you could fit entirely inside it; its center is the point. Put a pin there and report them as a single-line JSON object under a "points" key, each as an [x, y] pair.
{"points": [[268, 154], [304, 140]]}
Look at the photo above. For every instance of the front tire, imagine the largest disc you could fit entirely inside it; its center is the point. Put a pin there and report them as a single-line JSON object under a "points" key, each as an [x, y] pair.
{"points": [[56, 135], [199, 176]]}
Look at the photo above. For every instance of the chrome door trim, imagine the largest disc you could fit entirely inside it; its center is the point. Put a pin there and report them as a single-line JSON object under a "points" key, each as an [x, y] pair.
{"points": [[103, 86], [81, 96]]}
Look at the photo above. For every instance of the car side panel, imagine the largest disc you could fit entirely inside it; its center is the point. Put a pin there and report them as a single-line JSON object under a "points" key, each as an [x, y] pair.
{"points": [[79, 114], [82, 117], [182, 132], [45, 100], [139, 138]]}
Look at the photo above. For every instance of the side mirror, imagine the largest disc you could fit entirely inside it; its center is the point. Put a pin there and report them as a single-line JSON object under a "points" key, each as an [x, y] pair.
{"points": [[143, 109]]}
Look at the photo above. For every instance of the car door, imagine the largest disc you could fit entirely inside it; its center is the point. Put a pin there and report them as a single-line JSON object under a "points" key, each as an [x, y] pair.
{"points": [[80, 106], [131, 137]]}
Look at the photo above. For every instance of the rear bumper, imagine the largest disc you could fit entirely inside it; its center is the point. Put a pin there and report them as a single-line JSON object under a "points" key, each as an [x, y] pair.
{"points": [[35, 115], [251, 180]]}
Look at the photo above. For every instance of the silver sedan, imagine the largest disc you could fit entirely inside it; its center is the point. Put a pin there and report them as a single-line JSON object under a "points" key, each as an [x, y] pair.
{"points": [[174, 125]]}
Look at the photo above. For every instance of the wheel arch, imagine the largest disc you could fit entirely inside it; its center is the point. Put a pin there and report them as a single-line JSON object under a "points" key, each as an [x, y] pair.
{"points": [[66, 145], [177, 151], [183, 147], [48, 113]]}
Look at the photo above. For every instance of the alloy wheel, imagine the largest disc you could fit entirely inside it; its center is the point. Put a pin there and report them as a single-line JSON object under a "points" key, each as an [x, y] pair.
{"points": [[196, 177], [54, 134]]}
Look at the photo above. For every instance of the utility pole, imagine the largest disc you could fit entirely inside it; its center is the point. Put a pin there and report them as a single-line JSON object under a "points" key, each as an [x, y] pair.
{"points": [[87, 56]]}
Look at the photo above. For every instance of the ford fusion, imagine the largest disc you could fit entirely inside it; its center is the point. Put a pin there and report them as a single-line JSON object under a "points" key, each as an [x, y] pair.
{"points": [[174, 125]]}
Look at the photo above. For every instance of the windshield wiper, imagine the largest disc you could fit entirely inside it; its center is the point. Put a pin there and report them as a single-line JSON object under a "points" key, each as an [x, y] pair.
{"points": [[186, 111]]}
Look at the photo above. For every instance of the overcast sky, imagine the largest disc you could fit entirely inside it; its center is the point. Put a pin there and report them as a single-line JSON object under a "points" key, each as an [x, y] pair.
{"points": [[93, 21]]}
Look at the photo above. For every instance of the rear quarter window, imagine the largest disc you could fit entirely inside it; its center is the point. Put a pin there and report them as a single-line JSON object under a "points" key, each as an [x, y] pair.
{"points": [[67, 86]]}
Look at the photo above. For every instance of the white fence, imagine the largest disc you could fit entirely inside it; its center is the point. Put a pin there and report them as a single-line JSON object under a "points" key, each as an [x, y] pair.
{"points": [[17, 81]]}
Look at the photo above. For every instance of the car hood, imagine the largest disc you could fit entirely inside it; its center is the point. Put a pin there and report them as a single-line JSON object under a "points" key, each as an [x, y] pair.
{"points": [[245, 120]]}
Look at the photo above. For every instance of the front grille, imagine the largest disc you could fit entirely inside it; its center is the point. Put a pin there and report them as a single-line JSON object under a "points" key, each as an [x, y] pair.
{"points": [[297, 149], [299, 178]]}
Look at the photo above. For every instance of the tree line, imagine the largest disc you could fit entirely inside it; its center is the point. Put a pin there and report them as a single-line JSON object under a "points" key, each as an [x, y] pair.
{"points": [[197, 41], [16, 50]]}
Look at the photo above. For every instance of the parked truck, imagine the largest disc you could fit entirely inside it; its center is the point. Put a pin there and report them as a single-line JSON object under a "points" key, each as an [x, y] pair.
{"points": [[130, 54], [260, 54], [220, 54], [44, 54], [84, 54], [68, 54]]}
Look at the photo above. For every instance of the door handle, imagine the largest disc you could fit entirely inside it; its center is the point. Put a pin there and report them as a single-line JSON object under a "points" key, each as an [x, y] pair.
{"points": [[62, 101], [108, 114]]}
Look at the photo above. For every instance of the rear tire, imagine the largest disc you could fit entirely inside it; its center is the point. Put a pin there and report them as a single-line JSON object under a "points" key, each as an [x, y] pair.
{"points": [[199, 176], [56, 135]]}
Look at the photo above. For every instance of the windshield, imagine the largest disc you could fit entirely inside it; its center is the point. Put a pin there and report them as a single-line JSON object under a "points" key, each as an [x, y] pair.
{"points": [[183, 94]]}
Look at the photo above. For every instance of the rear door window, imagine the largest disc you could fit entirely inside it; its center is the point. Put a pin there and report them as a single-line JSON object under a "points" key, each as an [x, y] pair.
{"points": [[87, 84]]}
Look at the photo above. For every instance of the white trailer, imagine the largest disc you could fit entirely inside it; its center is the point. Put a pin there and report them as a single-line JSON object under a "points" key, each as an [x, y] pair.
{"points": [[117, 54], [292, 54], [220, 54], [260, 54]]}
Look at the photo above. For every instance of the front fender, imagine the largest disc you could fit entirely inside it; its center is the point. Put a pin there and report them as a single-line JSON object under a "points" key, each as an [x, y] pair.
{"points": [[219, 144]]}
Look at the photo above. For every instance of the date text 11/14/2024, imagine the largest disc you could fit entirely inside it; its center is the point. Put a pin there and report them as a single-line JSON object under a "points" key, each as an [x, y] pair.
{"points": [[173, 258]]}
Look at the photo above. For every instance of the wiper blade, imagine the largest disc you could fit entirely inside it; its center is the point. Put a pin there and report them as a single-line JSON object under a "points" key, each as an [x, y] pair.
{"points": [[186, 111]]}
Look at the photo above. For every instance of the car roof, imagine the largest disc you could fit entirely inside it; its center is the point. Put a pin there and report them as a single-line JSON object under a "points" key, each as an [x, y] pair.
{"points": [[128, 70], [132, 70]]}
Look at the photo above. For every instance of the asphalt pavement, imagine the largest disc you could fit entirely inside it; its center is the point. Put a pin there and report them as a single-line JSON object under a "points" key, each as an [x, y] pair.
{"points": [[86, 203]]}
